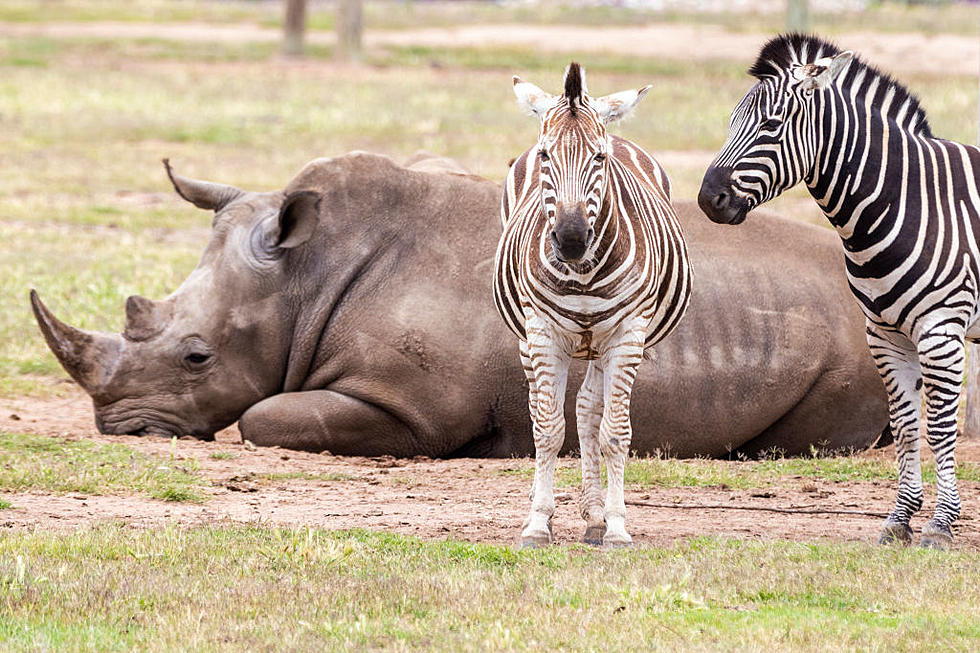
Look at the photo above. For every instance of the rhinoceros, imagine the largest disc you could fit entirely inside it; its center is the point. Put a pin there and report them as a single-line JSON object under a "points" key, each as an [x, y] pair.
{"points": [[352, 312]]}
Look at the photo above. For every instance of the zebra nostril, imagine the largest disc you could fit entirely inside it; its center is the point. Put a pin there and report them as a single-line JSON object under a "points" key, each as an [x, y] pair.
{"points": [[589, 236], [720, 201]]}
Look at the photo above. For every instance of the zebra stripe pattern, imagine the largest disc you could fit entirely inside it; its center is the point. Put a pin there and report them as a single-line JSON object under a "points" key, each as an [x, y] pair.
{"points": [[591, 265], [907, 209]]}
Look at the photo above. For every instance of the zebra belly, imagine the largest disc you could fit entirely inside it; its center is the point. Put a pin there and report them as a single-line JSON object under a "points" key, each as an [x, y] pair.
{"points": [[952, 299], [973, 331]]}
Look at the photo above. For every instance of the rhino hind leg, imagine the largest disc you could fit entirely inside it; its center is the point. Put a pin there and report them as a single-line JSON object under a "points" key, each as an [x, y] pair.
{"points": [[319, 420], [841, 412]]}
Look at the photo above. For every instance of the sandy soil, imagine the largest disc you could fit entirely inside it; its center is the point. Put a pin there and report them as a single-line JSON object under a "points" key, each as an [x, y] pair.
{"points": [[469, 499], [897, 52]]}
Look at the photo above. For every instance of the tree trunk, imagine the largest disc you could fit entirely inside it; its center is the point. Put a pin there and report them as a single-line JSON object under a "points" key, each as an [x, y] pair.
{"points": [[797, 15], [293, 27], [350, 24]]}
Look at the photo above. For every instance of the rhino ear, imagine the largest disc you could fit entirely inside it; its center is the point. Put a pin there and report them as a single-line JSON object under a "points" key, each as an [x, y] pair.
{"points": [[202, 194], [299, 216]]}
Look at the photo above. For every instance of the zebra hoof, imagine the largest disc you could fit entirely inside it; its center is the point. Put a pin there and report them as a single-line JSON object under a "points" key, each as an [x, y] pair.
{"points": [[534, 542], [536, 539], [594, 534], [936, 536], [612, 541], [895, 533]]}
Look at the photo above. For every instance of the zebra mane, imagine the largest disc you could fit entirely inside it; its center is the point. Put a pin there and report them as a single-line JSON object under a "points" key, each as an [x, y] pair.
{"points": [[574, 86], [785, 50]]}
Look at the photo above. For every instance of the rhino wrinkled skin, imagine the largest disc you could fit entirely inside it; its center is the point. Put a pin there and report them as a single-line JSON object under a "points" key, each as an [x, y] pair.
{"points": [[352, 312]]}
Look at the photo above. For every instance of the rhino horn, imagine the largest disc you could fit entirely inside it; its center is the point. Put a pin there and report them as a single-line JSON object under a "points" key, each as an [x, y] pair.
{"points": [[89, 357], [146, 318], [202, 194]]}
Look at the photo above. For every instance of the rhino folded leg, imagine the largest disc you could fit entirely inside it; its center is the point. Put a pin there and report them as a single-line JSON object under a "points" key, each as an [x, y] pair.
{"points": [[319, 420]]}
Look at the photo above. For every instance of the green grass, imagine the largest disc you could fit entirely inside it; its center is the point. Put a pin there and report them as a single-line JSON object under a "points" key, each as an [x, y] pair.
{"points": [[223, 455], [298, 589], [642, 473], [5, 504], [33, 462]]}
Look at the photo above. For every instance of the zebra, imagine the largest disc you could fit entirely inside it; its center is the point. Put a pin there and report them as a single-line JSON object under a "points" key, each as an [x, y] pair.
{"points": [[591, 265], [907, 208]]}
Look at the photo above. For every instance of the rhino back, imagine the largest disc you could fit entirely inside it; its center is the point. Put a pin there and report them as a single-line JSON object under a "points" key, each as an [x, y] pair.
{"points": [[414, 330]]}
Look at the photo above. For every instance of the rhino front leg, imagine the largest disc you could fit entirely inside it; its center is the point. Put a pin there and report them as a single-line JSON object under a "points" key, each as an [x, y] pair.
{"points": [[319, 420]]}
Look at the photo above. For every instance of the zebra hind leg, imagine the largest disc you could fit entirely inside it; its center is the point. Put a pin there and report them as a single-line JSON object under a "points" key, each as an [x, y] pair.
{"points": [[588, 412], [620, 365], [898, 364], [941, 357]]}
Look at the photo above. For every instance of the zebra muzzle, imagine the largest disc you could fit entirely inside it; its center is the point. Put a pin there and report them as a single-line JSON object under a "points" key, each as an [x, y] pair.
{"points": [[571, 236], [717, 200]]}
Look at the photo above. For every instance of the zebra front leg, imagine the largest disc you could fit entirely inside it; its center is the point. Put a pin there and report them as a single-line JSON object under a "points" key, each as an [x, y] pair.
{"points": [[941, 358], [550, 367], [620, 364], [588, 413], [532, 393], [898, 363]]}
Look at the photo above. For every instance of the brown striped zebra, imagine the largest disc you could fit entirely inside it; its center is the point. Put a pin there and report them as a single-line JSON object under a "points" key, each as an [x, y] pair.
{"points": [[591, 265]]}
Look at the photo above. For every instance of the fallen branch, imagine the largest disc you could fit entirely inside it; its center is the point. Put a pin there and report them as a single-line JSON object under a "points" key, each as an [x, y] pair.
{"points": [[722, 506]]}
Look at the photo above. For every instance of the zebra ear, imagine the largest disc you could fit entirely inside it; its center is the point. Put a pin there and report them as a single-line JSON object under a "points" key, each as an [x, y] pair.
{"points": [[618, 105], [532, 98], [822, 72]]}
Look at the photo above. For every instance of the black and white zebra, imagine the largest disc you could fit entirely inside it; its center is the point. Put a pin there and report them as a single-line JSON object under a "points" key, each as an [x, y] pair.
{"points": [[591, 265], [907, 209]]}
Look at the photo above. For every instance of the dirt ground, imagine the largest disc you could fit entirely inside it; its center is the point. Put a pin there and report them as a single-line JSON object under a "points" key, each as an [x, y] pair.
{"points": [[469, 499]]}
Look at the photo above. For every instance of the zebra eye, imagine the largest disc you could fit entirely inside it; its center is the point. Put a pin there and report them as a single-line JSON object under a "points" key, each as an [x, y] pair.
{"points": [[600, 157], [543, 155], [771, 124]]}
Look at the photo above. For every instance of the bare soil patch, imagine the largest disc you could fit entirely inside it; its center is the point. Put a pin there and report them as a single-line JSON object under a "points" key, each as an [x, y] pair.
{"points": [[469, 499]]}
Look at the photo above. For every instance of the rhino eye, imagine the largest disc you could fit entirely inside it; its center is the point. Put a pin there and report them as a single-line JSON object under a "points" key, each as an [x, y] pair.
{"points": [[197, 358]]}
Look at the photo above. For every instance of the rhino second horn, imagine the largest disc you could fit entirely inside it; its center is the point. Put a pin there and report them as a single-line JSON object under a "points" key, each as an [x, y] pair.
{"points": [[146, 318], [89, 357], [202, 194]]}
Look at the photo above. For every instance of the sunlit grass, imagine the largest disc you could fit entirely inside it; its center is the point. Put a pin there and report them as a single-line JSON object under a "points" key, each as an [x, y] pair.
{"points": [[34, 462], [299, 589]]}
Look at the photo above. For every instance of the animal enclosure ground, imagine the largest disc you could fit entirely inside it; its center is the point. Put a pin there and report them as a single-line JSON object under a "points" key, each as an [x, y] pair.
{"points": [[469, 499], [305, 551]]}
